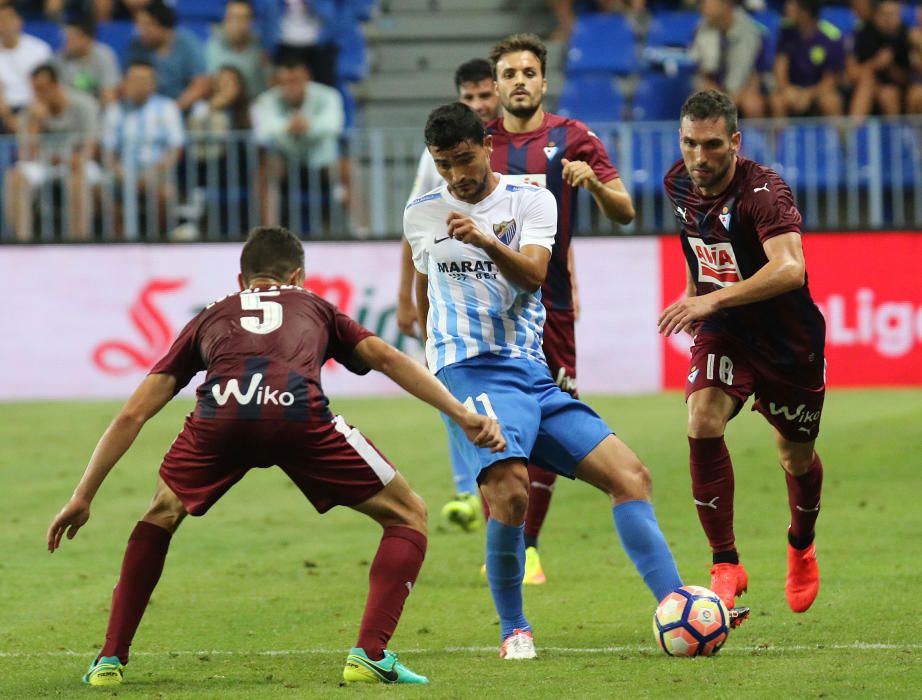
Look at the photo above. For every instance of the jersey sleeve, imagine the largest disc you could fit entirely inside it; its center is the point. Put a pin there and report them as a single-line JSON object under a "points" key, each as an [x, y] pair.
{"points": [[415, 232], [589, 148], [539, 220], [345, 334], [184, 359], [427, 177], [774, 212]]}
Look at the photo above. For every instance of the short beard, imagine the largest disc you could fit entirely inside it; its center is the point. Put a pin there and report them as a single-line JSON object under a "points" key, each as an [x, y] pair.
{"points": [[522, 112]]}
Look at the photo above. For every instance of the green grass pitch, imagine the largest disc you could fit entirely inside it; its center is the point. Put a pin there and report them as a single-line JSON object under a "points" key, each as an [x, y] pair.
{"points": [[262, 598]]}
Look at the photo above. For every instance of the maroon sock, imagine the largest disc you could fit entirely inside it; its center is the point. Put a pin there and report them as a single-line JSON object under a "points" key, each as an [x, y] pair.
{"points": [[540, 490], [141, 569], [804, 500], [392, 575], [712, 489]]}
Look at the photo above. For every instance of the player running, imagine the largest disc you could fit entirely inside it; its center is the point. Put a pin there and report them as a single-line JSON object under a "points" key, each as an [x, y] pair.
{"points": [[481, 245], [262, 404], [561, 154], [474, 83], [756, 330]]}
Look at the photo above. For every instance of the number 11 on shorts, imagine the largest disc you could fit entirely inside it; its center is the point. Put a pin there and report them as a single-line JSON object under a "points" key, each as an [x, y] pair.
{"points": [[484, 401]]}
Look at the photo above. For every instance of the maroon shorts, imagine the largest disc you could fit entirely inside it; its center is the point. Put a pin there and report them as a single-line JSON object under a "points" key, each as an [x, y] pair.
{"points": [[560, 349], [790, 398], [332, 463]]}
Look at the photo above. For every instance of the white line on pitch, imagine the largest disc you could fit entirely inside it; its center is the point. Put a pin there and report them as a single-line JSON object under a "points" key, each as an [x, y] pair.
{"points": [[854, 646]]}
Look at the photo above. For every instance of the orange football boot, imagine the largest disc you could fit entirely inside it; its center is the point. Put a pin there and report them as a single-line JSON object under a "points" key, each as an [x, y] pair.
{"points": [[803, 581], [729, 581]]}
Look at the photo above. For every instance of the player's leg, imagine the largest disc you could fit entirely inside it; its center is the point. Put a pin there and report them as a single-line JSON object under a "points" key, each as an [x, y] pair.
{"points": [[461, 511], [803, 472], [613, 467], [504, 486], [141, 569], [393, 573], [718, 384]]}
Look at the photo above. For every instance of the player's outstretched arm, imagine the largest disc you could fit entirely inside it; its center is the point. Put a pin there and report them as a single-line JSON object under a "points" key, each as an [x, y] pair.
{"points": [[422, 305], [784, 272], [406, 310], [153, 394], [613, 200], [414, 378]]}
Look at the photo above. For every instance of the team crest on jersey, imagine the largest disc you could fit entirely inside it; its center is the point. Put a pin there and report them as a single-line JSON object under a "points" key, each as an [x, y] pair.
{"points": [[505, 231], [716, 262], [724, 217], [550, 150]]}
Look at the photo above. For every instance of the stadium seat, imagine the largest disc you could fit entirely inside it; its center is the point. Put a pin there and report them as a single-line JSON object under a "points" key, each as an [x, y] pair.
{"points": [[672, 28], [591, 99], [653, 151], [770, 20], [896, 157], [602, 44], [841, 16], [659, 96], [202, 10], [352, 61], [809, 155], [117, 35], [46, 31]]}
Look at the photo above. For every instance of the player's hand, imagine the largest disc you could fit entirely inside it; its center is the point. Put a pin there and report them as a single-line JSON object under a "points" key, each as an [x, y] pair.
{"points": [[406, 317], [680, 316], [462, 228], [72, 517], [578, 173], [483, 431]]}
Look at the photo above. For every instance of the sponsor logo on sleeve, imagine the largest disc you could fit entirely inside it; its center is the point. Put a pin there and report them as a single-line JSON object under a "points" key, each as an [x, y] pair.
{"points": [[716, 262]]}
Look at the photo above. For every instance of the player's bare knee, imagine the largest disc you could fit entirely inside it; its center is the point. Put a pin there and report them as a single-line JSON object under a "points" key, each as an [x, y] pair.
{"points": [[705, 422], [630, 481], [166, 511], [796, 464], [417, 514]]}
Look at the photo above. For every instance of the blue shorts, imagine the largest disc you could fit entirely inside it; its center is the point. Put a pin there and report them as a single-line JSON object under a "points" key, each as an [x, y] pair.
{"points": [[541, 423]]}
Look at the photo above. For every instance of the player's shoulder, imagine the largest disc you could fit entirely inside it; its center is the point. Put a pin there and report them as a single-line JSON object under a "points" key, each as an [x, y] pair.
{"points": [[575, 127], [432, 195], [756, 177], [676, 174], [424, 205]]}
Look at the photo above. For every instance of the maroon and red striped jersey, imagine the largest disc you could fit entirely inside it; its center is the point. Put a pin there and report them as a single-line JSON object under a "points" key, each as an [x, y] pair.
{"points": [[722, 239], [539, 153], [263, 350]]}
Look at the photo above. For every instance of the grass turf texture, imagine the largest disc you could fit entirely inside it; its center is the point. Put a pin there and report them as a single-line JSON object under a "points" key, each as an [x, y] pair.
{"points": [[263, 573]]}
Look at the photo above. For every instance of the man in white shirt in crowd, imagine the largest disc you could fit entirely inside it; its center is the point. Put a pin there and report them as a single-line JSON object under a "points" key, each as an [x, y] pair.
{"points": [[20, 54]]}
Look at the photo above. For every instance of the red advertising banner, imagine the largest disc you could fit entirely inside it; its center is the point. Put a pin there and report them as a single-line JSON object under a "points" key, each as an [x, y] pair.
{"points": [[869, 288]]}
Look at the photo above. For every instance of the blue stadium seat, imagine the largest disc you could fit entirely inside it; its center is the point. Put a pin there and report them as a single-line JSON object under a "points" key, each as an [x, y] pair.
{"points": [[841, 16], [659, 96], [770, 20], [116, 35], [809, 155], [203, 10], [910, 15], [672, 28], [46, 31], [898, 153], [602, 44], [591, 99], [653, 151], [352, 61]]}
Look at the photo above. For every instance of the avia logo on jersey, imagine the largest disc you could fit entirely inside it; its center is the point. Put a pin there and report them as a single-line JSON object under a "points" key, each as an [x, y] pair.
{"points": [[505, 231], [478, 269], [716, 262], [255, 393]]}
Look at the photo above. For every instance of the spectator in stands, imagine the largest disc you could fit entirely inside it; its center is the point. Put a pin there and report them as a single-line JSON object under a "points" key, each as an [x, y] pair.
{"points": [[914, 98], [40, 9], [234, 43], [305, 34], [86, 64], [809, 65], [20, 54], [882, 56], [174, 51], [108, 10], [298, 123], [142, 141], [565, 13], [57, 141], [726, 47]]}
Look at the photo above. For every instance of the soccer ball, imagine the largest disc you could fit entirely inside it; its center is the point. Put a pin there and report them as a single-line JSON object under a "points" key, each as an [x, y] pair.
{"points": [[691, 621]]}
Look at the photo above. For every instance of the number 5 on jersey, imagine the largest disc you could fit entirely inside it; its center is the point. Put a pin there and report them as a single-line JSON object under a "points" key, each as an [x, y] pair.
{"points": [[271, 312], [484, 401]]}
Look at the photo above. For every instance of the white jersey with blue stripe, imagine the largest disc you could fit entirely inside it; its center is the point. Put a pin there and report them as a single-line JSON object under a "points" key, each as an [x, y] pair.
{"points": [[473, 309]]}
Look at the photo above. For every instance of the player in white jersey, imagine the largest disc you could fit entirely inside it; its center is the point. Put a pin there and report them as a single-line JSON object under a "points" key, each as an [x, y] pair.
{"points": [[474, 83], [481, 247]]}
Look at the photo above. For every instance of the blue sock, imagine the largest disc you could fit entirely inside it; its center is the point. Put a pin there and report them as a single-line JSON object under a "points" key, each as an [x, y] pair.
{"points": [[645, 545], [465, 480], [505, 569]]}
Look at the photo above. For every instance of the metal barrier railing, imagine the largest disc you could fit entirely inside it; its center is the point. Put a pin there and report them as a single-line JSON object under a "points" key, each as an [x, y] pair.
{"points": [[844, 177]]}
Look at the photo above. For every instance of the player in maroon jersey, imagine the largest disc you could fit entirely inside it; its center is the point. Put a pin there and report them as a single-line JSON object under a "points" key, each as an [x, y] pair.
{"points": [[563, 155], [262, 404], [756, 331]]}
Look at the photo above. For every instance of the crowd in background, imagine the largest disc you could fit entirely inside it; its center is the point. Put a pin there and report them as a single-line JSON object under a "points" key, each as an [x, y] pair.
{"points": [[269, 69]]}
